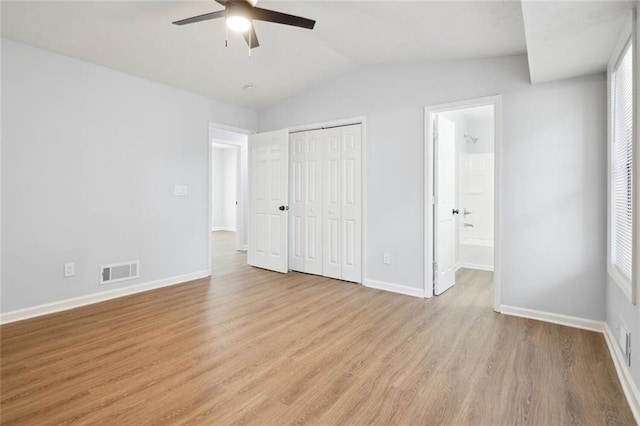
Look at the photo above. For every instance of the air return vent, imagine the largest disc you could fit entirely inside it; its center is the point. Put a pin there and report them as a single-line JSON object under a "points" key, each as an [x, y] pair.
{"points": [[117, 272]]}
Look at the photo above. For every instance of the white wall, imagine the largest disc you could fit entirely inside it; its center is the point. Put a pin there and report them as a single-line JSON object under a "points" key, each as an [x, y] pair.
{"points": [[223, 188], [553, 199], [217, 189], [90, 160], [230, 177]]}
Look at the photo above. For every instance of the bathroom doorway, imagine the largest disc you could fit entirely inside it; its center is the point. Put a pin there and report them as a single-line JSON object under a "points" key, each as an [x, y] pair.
{"points": [[461, 201]]}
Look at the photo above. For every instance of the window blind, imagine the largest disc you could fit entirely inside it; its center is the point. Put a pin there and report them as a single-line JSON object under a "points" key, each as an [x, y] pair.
{"points": [[621, 165]]}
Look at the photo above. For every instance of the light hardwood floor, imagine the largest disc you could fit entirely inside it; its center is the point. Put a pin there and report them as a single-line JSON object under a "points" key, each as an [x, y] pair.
{"points": [[251, 346]]}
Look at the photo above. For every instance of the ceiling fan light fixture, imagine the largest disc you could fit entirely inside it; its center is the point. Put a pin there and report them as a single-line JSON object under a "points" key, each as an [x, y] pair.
{"points": [[238, 23]]}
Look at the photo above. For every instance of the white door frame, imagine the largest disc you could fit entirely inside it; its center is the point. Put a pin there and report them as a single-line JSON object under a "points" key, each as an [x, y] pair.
{"points": [[240, 210], [346, 122], [496, 101]]}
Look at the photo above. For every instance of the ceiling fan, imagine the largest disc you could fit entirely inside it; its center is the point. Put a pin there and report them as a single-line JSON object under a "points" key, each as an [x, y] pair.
{"points": [[240, 14]]}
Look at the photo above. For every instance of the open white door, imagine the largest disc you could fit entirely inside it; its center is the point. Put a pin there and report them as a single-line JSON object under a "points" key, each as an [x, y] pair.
{"points": [[444, 190], [268, 200]]}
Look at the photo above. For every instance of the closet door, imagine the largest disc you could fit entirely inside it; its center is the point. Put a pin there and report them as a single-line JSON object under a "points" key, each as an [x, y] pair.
{"points": [[332, 190], [313, 203], [296, 201], [351, 203]]}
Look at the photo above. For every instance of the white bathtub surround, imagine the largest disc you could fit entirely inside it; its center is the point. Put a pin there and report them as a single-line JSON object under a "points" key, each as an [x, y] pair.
{"points": [[476, 209], [474, 131], [476, 254]]}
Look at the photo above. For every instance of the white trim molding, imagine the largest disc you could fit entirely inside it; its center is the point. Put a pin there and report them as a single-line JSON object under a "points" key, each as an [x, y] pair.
{"points": [[575, 322], [626, 381], [89, 299], [394, 288]]}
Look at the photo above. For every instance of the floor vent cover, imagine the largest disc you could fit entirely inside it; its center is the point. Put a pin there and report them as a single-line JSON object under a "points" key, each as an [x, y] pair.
{"points": [[117, 272]]}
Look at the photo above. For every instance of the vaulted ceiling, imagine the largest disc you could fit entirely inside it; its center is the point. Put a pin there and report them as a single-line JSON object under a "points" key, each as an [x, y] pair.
{"points": [[561, 39]]}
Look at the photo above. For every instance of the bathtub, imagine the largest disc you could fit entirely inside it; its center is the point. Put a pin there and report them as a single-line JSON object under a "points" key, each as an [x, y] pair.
{"points": [[476, 254]]}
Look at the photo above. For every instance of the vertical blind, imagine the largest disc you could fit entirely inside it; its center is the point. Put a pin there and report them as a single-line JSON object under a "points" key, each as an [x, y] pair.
{"points": [[621, 164]]}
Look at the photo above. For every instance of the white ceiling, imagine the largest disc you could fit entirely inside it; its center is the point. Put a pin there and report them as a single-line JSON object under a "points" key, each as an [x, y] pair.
{"points": [[138, 38], [570, 38]]}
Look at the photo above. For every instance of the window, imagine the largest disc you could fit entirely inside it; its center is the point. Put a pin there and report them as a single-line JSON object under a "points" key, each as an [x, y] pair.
{"points": [[621, 170]]}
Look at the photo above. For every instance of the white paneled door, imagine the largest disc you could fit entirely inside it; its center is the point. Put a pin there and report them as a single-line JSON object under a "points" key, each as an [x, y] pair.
{"points": [[326, 202], [269, 198], [296, 201], [445, 191], [332, 225], [313, 204], [351, 184]]}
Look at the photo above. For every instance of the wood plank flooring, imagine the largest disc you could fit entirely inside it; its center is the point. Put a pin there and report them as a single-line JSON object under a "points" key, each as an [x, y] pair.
{"points": [[255, 347]]}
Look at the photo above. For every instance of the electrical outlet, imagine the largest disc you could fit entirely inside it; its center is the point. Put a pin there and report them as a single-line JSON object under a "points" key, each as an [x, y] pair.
{"points": [[69, 270], [386, 258]]}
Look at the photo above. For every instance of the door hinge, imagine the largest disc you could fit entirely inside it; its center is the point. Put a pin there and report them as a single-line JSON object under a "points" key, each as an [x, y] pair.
{"points": [[435, 267], [434, 200]]}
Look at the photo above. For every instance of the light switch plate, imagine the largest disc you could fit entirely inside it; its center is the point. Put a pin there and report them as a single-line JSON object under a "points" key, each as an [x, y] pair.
{"points": [[180, 191]]}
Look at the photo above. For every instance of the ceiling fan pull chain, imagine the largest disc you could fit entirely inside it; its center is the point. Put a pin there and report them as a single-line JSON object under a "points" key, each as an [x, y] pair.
{"points": [[226, 33]]}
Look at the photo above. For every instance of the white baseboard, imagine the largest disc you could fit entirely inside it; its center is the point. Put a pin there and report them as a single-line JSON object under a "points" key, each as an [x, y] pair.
{"points": [[582, 323], [626, 381], [245, 247], [395, 288], [223, 228], [63, 305], [476, 266]]}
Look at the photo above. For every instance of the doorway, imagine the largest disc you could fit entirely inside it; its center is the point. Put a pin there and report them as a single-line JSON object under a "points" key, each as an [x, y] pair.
{"points": [[228, 183], [462, 182]]}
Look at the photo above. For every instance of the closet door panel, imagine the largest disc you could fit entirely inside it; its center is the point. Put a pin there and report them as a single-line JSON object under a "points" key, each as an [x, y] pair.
{"points": [[313, 203], [297, 146], [332, 206], [351, 203]]}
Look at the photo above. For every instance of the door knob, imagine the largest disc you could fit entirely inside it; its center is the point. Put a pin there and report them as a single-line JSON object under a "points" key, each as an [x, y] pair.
{"points": [[283, 208], [455, 211]]}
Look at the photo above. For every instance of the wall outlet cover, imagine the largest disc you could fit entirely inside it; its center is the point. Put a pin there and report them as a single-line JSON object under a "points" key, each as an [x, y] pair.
{"points": [[69, 270]]}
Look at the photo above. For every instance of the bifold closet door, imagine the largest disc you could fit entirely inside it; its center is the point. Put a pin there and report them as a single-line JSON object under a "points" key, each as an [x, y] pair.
{"points": [[342, 229], [332, 189], [305, 243], [296, 201], [351, 200], [326, 203]]}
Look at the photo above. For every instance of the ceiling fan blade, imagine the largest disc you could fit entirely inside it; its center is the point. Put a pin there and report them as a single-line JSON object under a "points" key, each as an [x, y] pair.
{"points": [[281, 18], [205, 17], [253, 41], [222, 2]]}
